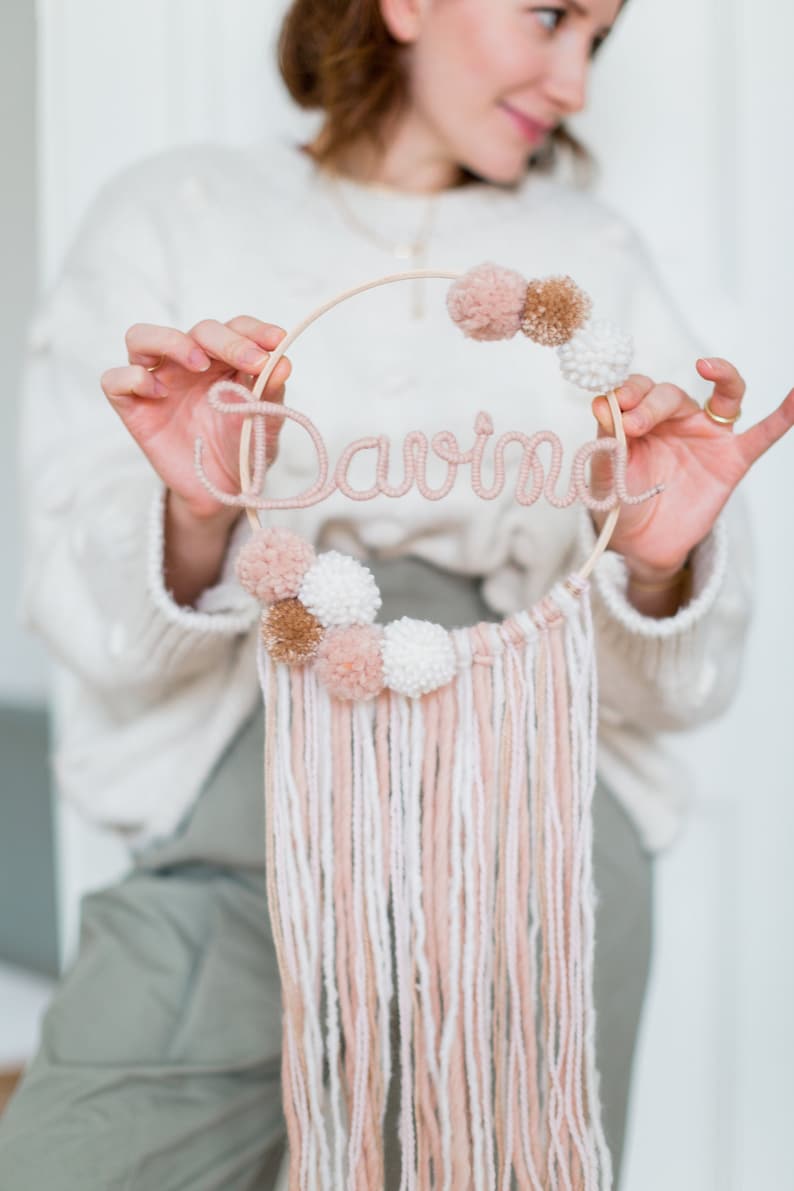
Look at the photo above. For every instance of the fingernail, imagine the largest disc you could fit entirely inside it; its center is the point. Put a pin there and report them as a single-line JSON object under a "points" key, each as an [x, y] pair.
{"points": [[198, 359], [709, 364]]}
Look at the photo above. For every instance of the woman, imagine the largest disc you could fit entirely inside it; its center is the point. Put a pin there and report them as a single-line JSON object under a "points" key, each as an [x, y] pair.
{"points": [[160, 1056]]}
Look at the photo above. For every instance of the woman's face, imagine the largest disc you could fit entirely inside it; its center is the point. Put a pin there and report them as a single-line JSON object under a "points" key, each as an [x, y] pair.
{"points": [[489, 79]]}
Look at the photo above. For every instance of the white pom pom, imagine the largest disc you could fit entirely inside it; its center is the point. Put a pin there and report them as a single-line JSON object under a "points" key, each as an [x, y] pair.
{"points": [[598, 357], [418, 656], [340, 591]]}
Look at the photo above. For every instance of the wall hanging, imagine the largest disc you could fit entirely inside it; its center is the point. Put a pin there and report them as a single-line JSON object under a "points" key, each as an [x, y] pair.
{"points": [[428, 806]]}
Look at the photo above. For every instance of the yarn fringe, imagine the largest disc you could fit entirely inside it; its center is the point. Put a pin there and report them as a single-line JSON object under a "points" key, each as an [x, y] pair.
{"points": [[432, 857]]}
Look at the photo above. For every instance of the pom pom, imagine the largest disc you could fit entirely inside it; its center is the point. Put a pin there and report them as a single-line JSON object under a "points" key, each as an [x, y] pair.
{"points": [[349, 661], [554, 309], [290, 633], [487, 302], [418, 656], [340, 591], [271, 565], [598, 358]]}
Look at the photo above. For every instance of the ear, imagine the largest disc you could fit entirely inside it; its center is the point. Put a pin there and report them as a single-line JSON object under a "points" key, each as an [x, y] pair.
{"points": [[403, 18]]}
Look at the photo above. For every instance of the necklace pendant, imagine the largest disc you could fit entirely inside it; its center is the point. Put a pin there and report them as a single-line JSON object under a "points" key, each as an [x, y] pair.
{"points": [[418, 300], [418, 286]]}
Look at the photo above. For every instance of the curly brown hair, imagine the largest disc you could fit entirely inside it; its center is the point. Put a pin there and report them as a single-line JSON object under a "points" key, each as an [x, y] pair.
{"points": [[338, 56]]}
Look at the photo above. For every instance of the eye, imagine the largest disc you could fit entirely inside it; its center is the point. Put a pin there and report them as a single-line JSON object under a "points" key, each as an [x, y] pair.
{"points": [[597, 43], [552, 15]]}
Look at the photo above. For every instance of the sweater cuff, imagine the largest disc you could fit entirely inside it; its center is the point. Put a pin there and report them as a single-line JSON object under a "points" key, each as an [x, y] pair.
{"points": [[610, 585], [225, 608]]}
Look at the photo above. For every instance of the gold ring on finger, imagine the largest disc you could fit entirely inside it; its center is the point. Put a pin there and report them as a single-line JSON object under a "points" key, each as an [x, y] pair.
{"points": [[718, 417], [154, 367]]}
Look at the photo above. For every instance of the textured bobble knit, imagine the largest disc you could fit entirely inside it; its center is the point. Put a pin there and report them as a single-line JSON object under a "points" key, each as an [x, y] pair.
{"points": [[340, 591], [418, 656]]}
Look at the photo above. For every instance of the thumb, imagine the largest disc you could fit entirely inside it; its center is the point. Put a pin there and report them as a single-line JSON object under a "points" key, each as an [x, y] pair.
{"points": [[764, 434], [602, 475]]}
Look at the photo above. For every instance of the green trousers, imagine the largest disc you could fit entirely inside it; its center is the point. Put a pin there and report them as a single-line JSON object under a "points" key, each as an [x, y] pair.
{"points": [[160, 1053]]}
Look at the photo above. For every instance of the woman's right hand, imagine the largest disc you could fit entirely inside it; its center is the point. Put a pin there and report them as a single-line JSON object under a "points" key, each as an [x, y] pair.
{"points": [[166, 410]]}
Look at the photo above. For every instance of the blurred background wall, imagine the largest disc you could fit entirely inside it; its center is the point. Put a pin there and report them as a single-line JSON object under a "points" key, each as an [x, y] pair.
{"points": [[690, 118], [28, 925], [22, 666]]}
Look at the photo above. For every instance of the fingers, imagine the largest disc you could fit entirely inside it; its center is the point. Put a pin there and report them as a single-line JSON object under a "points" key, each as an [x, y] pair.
{"points": [[146, 344], [244, 343], [132, 381], [229, 345], [644, 405], [276, 382], [267, 335], [729, 387], [659, 405], [759, 438], [628, 395]]}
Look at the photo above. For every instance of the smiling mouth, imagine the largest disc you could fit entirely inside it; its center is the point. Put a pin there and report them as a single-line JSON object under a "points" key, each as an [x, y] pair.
{"points": [[531, 130]]}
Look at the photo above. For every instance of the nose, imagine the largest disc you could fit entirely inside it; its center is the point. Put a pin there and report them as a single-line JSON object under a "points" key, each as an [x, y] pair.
{"points": [[566, 80]]}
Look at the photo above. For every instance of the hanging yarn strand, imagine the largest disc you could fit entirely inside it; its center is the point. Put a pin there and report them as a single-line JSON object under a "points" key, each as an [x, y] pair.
{"points": [[479, 861], [428, 812]]}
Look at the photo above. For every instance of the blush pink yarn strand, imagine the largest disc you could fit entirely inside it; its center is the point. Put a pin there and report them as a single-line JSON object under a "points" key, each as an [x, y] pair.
{"points": [[432, 709], [571, 1059]]}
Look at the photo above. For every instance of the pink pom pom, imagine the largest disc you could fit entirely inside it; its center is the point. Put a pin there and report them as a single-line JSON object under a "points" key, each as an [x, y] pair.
{"points": [[349, 661], [488, 302], [272, 564]]}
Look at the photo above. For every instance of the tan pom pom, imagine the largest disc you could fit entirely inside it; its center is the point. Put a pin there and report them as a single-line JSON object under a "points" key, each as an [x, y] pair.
{"points": [[554, 310], [291, 633]]}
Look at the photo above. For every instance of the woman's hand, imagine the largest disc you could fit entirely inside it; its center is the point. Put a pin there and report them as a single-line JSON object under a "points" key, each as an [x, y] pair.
{"points": [[672, 441], [165, 410]]}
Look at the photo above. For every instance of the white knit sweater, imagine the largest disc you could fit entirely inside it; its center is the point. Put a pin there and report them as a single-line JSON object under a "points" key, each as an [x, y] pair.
{"points": [[152, 692]]}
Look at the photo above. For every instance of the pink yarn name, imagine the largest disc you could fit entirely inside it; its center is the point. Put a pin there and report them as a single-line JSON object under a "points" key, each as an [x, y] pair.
{"points": [[532, 482]]}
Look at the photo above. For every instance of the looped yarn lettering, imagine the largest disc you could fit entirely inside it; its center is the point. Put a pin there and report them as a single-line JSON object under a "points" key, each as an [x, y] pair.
{"points": [[415, 452]]}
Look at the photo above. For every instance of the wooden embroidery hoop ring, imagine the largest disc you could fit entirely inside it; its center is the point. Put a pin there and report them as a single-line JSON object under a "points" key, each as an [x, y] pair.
{"points": [[245, 437]]}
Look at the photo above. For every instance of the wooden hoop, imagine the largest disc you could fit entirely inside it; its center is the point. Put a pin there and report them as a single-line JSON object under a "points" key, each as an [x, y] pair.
{"points": [[245, 437]]}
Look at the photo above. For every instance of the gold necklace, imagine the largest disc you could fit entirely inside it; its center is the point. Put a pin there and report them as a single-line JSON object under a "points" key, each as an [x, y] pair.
{"points": [[414, 251]]}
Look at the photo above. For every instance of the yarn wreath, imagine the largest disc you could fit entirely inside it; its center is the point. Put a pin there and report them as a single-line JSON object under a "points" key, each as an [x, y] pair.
{"points": [[317, 608], [428, 803]]}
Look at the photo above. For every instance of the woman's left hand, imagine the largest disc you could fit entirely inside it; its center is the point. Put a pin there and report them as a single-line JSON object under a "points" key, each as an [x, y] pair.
{"points": [[672, 441]]}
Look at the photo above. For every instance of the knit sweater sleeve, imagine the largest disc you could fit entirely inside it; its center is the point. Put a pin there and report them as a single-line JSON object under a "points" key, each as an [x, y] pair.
{"points": [[673, 673], [92, 506]]}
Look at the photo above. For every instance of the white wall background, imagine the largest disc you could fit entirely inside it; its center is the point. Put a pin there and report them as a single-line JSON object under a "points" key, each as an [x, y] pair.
{"points": [[22, 662], [690, 118]]}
